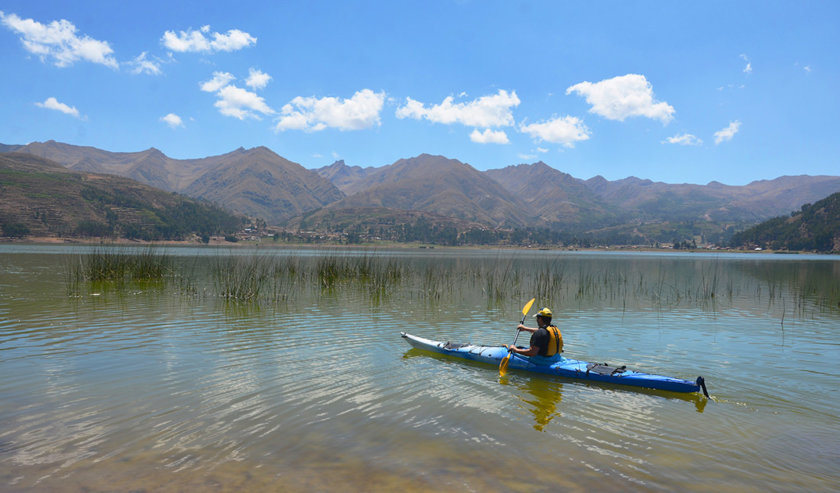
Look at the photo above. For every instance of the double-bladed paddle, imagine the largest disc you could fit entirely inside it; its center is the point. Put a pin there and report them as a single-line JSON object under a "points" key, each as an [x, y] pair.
{"points": [[504, 363]]}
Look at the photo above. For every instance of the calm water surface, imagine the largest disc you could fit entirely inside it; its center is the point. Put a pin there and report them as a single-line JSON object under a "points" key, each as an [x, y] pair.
{"points": [[165, 386]]}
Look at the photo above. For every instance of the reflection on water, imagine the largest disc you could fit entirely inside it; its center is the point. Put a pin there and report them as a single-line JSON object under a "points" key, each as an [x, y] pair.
{"points": [[169, 386], [542, 398]]}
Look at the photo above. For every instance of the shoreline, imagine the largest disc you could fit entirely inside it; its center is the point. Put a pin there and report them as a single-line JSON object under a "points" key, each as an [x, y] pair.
{"points": [[216, 242]]}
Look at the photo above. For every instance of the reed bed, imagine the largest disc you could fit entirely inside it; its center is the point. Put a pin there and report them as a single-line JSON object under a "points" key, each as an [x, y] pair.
{"points": [[243, 279], [118, 266], [502, 282]]}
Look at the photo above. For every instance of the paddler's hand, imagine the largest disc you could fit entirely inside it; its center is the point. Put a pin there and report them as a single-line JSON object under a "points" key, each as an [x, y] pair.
{"points": [[520, 327]]}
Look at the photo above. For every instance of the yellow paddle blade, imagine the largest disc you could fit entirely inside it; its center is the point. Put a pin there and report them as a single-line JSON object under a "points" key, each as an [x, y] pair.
{"points": [[503, 365], [527, 307]]}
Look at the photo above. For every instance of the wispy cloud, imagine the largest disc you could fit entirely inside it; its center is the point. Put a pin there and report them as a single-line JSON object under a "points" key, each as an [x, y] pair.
{"points": [[314, 114], [622, 97], [485, 112], [684, 140], [143, 65], [203, 41], [59, 42], [235, 101], [219, 80], [489, 137], [172, 120], [53, 104], [726, 134], [534, 154], [748, 68], [564, 130]]}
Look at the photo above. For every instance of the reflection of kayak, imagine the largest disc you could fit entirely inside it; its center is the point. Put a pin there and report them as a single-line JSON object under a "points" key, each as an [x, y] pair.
{"points": [[564, 367]]}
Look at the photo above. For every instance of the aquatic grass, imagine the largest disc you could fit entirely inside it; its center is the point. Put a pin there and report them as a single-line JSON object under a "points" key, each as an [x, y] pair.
{"points": [[119, 265], [383, 280], [495, 281], [548, 283], [501, 282], [266, 278], [242, 279], [434, 282]]}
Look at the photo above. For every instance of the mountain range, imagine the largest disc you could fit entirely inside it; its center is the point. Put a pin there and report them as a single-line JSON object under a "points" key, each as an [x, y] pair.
{"points": [[42, 198], [259, 183], [256, 182]]}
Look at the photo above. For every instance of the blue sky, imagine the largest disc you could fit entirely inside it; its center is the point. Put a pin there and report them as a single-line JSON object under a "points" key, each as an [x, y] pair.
{"points": [[680, 92]]}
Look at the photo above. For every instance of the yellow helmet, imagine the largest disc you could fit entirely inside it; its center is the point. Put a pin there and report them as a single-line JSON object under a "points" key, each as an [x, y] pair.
{"points": [[545, 312]]}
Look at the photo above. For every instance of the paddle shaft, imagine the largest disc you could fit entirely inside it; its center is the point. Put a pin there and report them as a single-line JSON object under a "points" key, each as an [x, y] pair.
{"points": [[504, 363], [518, 331]]}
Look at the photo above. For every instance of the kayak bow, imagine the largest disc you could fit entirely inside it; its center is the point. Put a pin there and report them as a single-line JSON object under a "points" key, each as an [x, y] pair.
{"points": [[564, 367]]}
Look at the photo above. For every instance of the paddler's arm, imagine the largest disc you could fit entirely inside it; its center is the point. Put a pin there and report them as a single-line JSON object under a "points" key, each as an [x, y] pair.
{"points": [[526, 329], [532, 351]]}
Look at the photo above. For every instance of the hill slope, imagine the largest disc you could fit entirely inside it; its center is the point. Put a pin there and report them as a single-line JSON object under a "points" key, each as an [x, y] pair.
{"points": [[441, 186], [344, 177], [756, 201], [815, 227], [558, 198], [42, 198], [260, 183], [288, 189]]}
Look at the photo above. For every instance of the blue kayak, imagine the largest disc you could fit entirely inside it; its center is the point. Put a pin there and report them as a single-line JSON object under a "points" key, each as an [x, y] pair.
{"points": [[562, 367]]}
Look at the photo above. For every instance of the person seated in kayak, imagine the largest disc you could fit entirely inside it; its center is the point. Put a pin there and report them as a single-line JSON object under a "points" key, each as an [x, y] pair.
{"points": [[546, 339]]}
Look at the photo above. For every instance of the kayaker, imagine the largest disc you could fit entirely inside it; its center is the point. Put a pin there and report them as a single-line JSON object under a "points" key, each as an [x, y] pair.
{"points": [[546, 340]]}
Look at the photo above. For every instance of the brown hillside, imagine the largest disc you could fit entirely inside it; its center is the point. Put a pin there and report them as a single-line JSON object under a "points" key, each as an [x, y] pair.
{"points": [[260, 183], [557, 197], [49, 200], [256, 182], [344, 177], [441, 186]]}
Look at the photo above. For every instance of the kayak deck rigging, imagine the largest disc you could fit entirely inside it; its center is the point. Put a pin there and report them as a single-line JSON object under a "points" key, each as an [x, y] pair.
{"points": [[563, 367]]}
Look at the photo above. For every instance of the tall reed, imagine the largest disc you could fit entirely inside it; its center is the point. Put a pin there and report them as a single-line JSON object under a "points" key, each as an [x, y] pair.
{"points": [[120, 264]]}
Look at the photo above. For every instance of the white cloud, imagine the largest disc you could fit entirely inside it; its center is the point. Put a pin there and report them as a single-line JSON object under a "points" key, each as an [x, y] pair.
{"points": [[561, 130], [748, 68], [58, 41], [196, 41], [484, 112], [489, 137], [684, 139], [232, 41], [622, 97], [235, 101], [313, 114], [53, 104], [726, 134], [240, 103], [219, 80], [257, 79], [172, 120], [542, 150], [143, 65]]}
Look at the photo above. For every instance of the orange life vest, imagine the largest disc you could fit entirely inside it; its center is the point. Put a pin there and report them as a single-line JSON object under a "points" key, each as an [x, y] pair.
{"points": [[555, 341]]}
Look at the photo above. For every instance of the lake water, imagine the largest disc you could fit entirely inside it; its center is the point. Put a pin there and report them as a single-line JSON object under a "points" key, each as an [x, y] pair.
{"points": [[167, 386]]}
